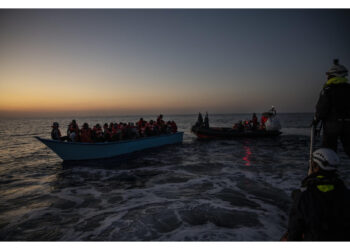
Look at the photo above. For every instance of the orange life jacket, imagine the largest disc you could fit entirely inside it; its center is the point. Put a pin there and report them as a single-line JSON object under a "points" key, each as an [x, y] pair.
{"points": [[263, 119]]}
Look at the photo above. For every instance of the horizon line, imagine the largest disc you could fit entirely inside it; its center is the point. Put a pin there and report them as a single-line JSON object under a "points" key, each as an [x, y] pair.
{"points": [[140, 115]]}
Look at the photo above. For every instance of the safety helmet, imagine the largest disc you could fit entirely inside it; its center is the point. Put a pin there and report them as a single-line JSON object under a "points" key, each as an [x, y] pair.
{"points": [[337, 69], [326, 159]]}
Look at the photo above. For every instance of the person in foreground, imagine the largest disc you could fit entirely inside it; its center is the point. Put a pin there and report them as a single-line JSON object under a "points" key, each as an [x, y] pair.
{"points": [[333, 108], [320, 211]]}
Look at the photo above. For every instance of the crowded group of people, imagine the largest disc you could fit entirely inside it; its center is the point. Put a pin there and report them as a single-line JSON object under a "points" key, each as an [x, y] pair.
{"points": [[113, 131], [254, 124], [242, 125], [320, 208]]}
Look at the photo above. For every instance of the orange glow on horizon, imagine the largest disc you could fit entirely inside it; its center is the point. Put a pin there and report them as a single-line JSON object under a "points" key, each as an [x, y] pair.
{"points": [[23, 93]]}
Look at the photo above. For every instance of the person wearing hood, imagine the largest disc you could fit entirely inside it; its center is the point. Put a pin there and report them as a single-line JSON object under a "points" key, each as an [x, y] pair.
{"points": [[320, 211], [333, 108]]}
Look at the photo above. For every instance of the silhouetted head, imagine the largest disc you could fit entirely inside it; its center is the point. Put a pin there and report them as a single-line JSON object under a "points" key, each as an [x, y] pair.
{"points": [[337, 70]]}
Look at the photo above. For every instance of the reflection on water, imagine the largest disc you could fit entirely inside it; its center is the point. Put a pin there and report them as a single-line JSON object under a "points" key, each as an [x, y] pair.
{"points": [[200, 190], [247, 155]]}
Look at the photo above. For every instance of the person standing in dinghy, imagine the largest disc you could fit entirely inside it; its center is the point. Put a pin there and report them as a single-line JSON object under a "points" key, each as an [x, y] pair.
{"points": [[333, 108]]}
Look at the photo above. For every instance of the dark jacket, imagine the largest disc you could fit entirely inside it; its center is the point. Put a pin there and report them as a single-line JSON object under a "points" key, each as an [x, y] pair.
{"points": [[55, 134], [334, 103], [321, 212]]}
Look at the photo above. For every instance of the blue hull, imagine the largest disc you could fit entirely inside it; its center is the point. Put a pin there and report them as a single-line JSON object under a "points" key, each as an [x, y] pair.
{"points": [[68, 151]]}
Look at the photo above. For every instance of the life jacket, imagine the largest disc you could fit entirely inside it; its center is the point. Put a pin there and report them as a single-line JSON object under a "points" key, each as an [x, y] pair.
{"points": [[143, 130], [115, 130], [160, 121], [150, 126], [107, 132], [98, 132], [85, 135], [263, 119], [74, 128], [140, 123]]}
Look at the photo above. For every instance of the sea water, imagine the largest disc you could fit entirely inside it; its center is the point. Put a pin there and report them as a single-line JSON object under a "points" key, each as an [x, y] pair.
{"points": [[217, 190]]}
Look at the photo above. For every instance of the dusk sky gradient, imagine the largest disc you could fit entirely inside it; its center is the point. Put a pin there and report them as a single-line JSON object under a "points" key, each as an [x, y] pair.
{"points": [[171, 61]]}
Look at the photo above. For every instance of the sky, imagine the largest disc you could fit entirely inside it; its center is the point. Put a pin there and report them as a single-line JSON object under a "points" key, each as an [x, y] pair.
{"points": [[171, 61]]}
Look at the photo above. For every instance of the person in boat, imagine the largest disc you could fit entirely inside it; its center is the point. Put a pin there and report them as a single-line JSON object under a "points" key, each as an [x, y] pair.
{"points": [[106, 133], [246, 124], [168, 127], [333, 108], [133, 130], [206, 120], [273, 111], [97, 133], [150, 128], [140, 122], [199, 122], [85, 133], [263, 120], [161, 124], [128, 131], [116, 133], [73, 131], [111, 126], [320, 210], [254, 122], [160, 120], [142, 129], [239, 126], [173, 127], [141, 125], [159, 128], [56, 133]]}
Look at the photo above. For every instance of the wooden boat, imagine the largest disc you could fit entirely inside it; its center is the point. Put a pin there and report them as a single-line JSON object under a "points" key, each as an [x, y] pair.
{"points": [[230, 133], [86, 151]]}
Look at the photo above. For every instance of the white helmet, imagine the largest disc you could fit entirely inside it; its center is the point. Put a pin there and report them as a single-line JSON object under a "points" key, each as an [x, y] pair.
{"points": [[326, 159], [337, 69]]}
